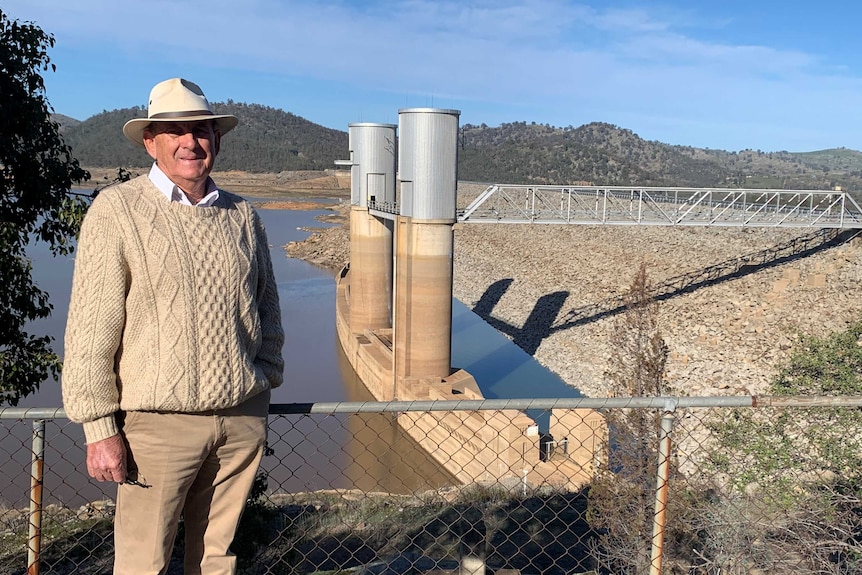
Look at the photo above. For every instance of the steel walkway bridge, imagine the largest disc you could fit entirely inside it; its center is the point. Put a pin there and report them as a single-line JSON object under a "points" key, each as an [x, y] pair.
{"points": [[617, 205]]}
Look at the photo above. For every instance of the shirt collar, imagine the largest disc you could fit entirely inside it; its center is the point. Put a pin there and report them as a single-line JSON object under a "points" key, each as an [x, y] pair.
{"points": [[173, 192]]}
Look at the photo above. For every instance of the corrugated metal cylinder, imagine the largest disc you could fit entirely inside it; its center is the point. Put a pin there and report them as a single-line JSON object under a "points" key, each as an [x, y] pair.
{"points": [[428, 162], [372, 175]]}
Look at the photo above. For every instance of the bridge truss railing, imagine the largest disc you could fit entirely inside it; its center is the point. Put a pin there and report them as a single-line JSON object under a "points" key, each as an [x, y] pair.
{"points": [[619, 205], [714, 485]]}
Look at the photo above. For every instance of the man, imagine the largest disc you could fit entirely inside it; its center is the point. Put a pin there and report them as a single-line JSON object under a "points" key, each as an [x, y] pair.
{"points": [[173, 342]]}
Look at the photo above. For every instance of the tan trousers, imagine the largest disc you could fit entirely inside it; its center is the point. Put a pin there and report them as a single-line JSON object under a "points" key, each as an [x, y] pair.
{"points": [[199, 465]]}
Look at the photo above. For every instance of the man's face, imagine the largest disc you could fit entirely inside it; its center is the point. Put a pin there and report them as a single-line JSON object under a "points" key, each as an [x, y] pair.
{"points": [[185, 151]]}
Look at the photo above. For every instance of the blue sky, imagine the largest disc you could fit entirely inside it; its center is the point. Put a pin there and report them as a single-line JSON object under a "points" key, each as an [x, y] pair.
{"points": [[727, 74]]}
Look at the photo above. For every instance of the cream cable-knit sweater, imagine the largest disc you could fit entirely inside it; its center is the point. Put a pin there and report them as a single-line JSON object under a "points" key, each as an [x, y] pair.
{"points": [[174, 308]]}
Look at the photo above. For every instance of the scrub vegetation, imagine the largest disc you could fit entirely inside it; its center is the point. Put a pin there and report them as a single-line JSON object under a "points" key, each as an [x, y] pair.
{"points": [[805, 467]]}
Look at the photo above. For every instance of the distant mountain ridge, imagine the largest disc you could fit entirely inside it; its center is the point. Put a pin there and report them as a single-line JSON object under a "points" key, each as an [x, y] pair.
{"points": [[604, 154], [270, 140]]}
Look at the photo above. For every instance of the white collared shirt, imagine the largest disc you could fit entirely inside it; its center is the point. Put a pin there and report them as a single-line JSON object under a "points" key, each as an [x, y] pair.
{"points": [[173, 192]]}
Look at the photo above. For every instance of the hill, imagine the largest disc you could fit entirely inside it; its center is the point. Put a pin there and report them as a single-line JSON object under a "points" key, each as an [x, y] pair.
{"points": [[270, 140], [604, 154], [66, 123], [266, 140]]}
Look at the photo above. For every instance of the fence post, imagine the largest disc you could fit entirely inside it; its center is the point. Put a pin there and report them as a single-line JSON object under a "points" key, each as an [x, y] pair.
{"points": [[662, 476], [34, 542]]}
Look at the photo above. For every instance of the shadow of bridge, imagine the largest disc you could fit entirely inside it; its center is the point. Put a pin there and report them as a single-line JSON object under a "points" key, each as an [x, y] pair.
{"points": [[545, 319]]}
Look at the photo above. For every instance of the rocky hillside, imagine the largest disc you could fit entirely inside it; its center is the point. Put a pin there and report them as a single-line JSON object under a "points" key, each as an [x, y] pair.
{"points": [[726, 336]]}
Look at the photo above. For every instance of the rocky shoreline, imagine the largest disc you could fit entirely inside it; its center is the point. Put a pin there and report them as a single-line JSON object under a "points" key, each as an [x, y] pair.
{"points": [[727, 335]]}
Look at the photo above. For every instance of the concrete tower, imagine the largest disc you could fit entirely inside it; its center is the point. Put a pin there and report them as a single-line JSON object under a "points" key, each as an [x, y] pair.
{"points": [[427, 168], [372, 182]]}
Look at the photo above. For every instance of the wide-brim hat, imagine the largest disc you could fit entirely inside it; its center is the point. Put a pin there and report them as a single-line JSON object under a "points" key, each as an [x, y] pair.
{"points": [[176, 100]]}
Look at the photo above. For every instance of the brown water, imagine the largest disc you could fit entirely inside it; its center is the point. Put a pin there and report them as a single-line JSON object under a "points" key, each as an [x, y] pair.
{"points": [[308, 314], [311, 452]]}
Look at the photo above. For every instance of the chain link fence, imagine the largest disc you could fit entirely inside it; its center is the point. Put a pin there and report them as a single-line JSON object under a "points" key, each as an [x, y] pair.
{"points": [[623, 485]]}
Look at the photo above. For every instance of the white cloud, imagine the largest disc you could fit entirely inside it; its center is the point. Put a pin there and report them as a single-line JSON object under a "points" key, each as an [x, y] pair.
{"points": [[560, 61]]}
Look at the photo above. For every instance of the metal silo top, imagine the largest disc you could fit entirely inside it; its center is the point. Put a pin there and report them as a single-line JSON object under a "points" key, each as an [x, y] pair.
{"points": [[428, 162], [429, 111], [372, 149], [371, 125]]}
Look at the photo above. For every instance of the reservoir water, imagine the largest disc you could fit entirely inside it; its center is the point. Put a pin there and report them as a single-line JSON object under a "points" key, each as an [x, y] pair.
{"points": [[364, 451]]}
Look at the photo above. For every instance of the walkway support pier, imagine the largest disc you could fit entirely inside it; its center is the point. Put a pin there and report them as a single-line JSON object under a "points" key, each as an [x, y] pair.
{"points": [[372, 180], [427, 167]]}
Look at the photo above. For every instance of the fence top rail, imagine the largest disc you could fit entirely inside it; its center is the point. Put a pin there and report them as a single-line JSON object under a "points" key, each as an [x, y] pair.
{"points": [[666, 403], [32, 413]]}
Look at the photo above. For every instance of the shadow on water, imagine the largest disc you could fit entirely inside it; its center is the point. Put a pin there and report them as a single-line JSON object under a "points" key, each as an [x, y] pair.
{"points": [[539, 324]]}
